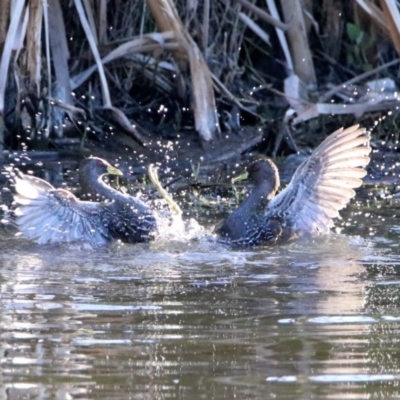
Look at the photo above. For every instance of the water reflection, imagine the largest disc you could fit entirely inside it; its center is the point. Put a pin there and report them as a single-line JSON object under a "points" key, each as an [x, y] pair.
{"points": [[314, 319]]}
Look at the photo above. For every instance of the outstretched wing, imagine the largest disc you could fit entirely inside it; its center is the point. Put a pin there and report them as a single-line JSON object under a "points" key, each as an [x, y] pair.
{"points": [[324, 183], [50, 215]]}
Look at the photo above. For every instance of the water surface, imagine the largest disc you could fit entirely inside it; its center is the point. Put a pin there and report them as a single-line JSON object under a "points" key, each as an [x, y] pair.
{"points": [[312, 319]]}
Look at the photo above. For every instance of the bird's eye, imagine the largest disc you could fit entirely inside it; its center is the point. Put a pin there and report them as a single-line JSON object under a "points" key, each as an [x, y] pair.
{"points": [[99, 163], [254, 167]]}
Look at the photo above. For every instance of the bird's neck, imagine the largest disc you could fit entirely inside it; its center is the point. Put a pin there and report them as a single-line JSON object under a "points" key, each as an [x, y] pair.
{"points": [[260, 196], [98, 190]]}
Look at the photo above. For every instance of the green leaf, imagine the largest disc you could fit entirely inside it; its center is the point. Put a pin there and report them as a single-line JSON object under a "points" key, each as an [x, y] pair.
{"points": [[367, 67], [353, 31]]}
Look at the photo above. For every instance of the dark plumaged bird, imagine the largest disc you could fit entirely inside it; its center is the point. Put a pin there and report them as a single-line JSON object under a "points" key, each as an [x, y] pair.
{"points": [[320, 187], [49, 215]]}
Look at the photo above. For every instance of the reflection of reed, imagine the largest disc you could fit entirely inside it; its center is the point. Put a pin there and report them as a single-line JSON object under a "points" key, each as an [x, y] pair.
{"points": [[338, 275], [343, 341], [316, 317]]}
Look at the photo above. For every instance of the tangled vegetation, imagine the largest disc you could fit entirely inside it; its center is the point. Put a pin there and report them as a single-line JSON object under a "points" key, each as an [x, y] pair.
{"points": [[155, 70]]}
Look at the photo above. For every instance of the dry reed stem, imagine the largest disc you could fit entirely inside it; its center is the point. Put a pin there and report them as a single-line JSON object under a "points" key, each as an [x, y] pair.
{"points": [[16, 25], [229, 95], [206, 25], [298, 42], [376, 15], [12, 34], [281, 35], [148, 43], [260, 13], [326, 96], [93, 46], [339, 109], [206, 120], [33, 57], [117, 114], [167, 19], [102, 5], [59, 49], [255, 28], [91, 20], [392, 14], [4, 20]]}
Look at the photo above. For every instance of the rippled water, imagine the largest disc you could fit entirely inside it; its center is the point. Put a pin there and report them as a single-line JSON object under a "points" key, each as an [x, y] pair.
{"points": [[313, 319]]}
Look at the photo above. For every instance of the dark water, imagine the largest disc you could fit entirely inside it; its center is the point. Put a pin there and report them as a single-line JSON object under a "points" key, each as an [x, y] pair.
{"points": [[310, 320]]}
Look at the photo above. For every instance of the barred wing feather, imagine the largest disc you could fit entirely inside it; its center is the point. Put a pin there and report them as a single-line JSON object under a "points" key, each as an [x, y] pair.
{"points": [[324, 183], [50, 215]]}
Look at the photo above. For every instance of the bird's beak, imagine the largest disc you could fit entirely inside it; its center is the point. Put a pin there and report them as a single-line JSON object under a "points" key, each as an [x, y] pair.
{"points": [[241, 177], [114, 171]]}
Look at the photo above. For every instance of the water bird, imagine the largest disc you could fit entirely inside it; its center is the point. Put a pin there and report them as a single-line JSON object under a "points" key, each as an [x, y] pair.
{"points": [[49, 215], [321, 186]]}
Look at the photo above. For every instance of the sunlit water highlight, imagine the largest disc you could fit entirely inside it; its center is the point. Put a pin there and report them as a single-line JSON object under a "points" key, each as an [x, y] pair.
{"points": [[195, 319]]}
